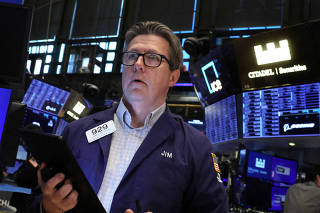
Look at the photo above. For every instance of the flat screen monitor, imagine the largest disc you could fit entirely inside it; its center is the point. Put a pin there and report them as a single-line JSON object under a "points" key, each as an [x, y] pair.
{"points": [[221, 120], [259, 165], [284, 170], [5, 95], [47, 122], [45, 97], [15, 21], [214, 75], [10, 138], [278, 196], [280, 57], [282, 112]]}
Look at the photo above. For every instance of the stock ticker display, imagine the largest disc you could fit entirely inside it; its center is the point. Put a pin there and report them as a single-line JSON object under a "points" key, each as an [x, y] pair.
{"points": [[221, 120], [45, 97], [284, 111]]}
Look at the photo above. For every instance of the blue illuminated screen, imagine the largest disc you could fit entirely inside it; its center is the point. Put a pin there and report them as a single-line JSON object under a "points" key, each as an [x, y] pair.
{"points": [[259, 165], [278, 195], [43, 96], [222, 128], [284, 170], [282, 112], [4, 104]]}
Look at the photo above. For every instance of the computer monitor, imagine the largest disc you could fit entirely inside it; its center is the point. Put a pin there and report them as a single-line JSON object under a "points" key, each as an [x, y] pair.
{"points": [[46, 121], [259, 165], [4, 104], [278, 196], [221, 120], [282, 112], [284, 170], [45, 97], [10, 138]]}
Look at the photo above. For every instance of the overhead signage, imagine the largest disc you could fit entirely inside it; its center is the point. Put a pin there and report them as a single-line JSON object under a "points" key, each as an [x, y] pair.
{"points": [[281, 57], [215, 85]]}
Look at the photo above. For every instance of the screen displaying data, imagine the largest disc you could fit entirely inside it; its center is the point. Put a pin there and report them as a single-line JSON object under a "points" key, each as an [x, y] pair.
{"points": [[45, 97], [221, 120], [282, 112]]}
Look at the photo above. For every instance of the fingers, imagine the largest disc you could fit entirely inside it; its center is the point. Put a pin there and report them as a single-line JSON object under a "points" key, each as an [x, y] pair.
{"points": [[64, 198], [57, 200]]}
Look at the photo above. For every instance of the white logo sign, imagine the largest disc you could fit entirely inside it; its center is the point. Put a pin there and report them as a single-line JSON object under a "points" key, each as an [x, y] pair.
{"points": [[260, 163], [282, 170], [52, 109], [78, 108], [273, 54], [287, 127], [216, 85]]}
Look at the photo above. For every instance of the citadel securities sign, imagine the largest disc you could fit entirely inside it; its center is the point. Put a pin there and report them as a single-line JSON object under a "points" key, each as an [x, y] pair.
{"points": [[273, 55], [275, 58]]}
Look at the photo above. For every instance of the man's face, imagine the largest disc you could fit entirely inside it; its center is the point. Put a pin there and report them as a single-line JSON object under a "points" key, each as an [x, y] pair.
{"points": [[146, 84]]}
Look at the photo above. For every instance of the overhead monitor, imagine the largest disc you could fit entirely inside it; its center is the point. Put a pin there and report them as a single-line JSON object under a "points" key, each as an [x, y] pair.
{"points": [[214, 75], [280, 57], [221, 120], [259, 165], [282, 112], [284, 170], [15, 21], [45, 97]]}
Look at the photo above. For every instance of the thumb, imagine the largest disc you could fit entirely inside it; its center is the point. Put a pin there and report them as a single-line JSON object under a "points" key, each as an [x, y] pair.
{"points": [[128, 211]]}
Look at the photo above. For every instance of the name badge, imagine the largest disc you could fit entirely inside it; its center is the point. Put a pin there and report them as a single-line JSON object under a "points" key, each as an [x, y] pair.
{"points": [[100, 131]]}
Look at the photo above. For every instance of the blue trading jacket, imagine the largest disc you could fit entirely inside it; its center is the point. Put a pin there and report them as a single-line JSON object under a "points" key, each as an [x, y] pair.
{"points": [[171, 172]]}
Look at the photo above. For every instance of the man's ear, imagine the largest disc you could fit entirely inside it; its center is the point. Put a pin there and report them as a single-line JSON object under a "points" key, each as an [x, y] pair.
{"points": [[174, 77], [318, 180]]}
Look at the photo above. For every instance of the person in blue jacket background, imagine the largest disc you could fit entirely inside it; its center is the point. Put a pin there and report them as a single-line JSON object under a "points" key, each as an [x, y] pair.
{"points": [[138, 151]]}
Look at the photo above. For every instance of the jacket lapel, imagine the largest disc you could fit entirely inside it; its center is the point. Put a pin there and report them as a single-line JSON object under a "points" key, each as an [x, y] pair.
{"points": [[161, 130]]}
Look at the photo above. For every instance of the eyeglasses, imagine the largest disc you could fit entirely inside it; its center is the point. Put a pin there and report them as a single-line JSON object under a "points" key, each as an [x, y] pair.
{"points": [[149, 59]]}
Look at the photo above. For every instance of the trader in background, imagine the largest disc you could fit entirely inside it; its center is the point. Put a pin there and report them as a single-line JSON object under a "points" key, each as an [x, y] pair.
{"points": [[304, 197], [138, 150]]}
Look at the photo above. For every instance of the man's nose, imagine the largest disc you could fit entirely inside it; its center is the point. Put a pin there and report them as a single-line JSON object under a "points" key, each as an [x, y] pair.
{"points": [[140, 60]]}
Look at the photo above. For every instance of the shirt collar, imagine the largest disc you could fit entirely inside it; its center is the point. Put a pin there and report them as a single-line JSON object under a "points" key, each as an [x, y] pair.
{"points": [[125, 118]]}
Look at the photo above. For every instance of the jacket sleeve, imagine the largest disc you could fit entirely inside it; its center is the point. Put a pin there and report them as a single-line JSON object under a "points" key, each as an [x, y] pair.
{"points": [[206, 193]]}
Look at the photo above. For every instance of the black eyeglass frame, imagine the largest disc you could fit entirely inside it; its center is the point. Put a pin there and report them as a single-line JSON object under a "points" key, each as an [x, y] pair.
{"points": [[143, 54]]}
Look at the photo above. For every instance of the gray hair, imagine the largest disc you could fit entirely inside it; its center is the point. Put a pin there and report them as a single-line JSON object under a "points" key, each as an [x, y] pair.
{"points": [[157, 28]]}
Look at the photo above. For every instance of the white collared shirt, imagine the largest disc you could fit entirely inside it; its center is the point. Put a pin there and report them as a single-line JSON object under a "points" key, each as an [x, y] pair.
{"points": [[124, 143]]}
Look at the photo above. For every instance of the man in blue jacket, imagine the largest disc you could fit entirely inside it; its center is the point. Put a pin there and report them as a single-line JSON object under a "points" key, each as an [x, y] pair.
{"points": [[138, 150]]}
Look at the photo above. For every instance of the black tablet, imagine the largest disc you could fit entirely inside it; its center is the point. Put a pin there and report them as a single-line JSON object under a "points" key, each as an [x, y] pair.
{"points": [[52, 150]]}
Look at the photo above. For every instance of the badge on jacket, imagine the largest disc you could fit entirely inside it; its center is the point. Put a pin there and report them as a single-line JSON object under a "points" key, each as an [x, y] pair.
{"points": [[100, 131]]}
